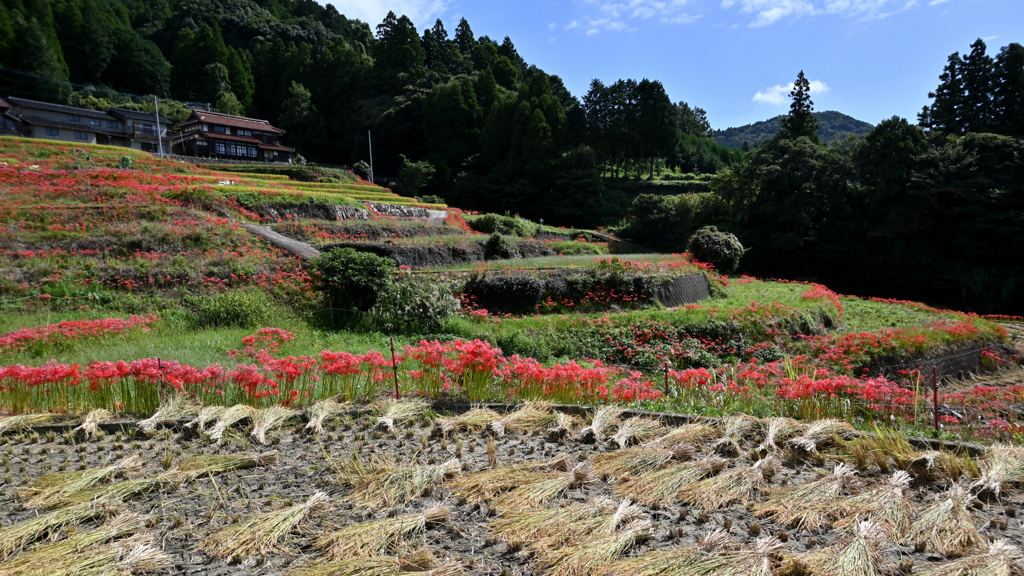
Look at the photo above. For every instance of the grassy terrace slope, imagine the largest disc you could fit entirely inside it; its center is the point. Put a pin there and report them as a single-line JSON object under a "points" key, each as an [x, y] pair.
{"points": [[122, 279]]}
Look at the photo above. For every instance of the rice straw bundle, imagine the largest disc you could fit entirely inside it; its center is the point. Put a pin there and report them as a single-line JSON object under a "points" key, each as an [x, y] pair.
{"points": [[91, 423], [703, 557], [416, 563], [808, 505], [404, 410], [947, 527], [473, 421], [321, 411], [779, 430], [207, 415], [532, 416], [260, 533], [735, 486], [20, 422], [378, 537], [551, 528], [563, 426], [603, 419], [664, 486], [134, 555], [540, 489], [35, 560], [739, 431], [935, 465], [488, 483], [269, 418], [886, 506], [230, 417], [636, 430], [1003, 466], [200, 466], [125, 491], [54, 488], [1001, 559], [173, 408], [386, 483], [15, 538], [860, 557], [820, 432], [689, 434], [640, 459], [583, 558]]}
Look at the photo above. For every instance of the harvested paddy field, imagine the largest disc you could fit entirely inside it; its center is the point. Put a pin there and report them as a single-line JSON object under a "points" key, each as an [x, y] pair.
{"points": [[396, 487]]}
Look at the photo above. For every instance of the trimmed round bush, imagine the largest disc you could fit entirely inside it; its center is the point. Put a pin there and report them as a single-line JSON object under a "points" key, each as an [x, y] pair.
{"points": [[720, 249], [352, 280], [248, 308]]}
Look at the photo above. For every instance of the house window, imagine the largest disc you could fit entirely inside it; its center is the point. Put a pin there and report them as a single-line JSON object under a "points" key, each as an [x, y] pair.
{"points": [[73, 118], [81, 136], [95, 122], [219, 148], [252, 152], [148, 147], [147, 129], [241, 132], [220, 129], [52, 132], [111, 124]]}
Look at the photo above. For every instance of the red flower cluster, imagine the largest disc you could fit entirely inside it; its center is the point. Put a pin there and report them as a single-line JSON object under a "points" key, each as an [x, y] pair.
{"points": [[64, 333]]}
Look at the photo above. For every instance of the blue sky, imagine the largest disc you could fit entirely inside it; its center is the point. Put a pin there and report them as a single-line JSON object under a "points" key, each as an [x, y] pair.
{"points": [[871, 59]]}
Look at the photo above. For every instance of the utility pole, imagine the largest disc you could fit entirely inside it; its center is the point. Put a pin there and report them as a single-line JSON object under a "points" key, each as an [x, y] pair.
{"points": [[369, 137], [159, 137]]}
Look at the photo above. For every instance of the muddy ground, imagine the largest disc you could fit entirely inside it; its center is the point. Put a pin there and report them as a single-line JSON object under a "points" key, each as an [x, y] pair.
{"points": [[182, 517]]}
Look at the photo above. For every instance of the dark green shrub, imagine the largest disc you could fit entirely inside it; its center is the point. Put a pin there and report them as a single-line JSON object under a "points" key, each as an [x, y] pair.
{"points": [[505, 294], [720, 249], [416, 304], [499, 248], [361, 169], [493, 223], [430, 199], [242, 308], [352, 280]]}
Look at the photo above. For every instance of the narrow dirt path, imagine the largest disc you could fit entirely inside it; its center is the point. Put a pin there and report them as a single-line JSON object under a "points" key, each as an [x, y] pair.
{"points": [[300, 249]]}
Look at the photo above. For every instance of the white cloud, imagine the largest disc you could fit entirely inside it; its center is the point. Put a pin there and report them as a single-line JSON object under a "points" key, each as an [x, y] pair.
{"points": [[621, 15], [683, 18], [552, 26], [767, 12], [421, 12], [936, 2], [593, 31], [779, 94]]}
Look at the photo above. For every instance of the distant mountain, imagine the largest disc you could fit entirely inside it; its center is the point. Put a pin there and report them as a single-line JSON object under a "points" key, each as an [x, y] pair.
{"points": [[833, 125]]}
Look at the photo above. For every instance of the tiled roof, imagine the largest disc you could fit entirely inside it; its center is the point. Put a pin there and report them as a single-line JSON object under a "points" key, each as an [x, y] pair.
{"points": [[3, 104], [278, 148], [233, 121], [123, 113], [77, 127], [246, 139], [25, 103]]}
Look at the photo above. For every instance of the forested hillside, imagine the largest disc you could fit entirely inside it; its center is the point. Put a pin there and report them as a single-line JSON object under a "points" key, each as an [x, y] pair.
{"points": [[468, 116], [833, 125]]}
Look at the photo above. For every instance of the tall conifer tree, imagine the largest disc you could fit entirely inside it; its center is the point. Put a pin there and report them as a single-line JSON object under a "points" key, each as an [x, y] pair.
{"points": [[801, 120]]}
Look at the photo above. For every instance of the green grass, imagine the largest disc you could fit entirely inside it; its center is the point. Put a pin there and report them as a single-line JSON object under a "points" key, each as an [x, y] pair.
{"points": [[867, 316]]}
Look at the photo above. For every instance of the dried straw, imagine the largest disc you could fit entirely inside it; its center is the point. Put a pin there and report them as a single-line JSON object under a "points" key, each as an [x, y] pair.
{"points": [[368, 539], [52, 489], [1002, 467], [820, 432], [541, 488], [640, 459], [947, 527], [135, 555], [604, 418], [739, 432], [1001, 559], [269, 418], [383, 482], [488, 483], [779, 430], [419, 562], [563, 426], [861, 556], [173, 408], [635, 430], [16, 538], [689, 434], [125, 491], [321, 411], [392, 411], [664, 486], [200, 466], [91, 423], [230, 417], [20, 422], [207, 415], [551, 528], [532, 416], [474, 421], [704, 557], [583, 558], [809, 505], [886, 506], [260, 533], [39, 558], [735, 486]]}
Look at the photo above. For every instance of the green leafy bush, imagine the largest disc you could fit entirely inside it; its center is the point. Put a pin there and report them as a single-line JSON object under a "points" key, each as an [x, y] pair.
{"points": [[499, 248], [242, 308], [506, 294], [361, 169], [417, 304], [352, 280], [720, 249], [507, 225]]}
